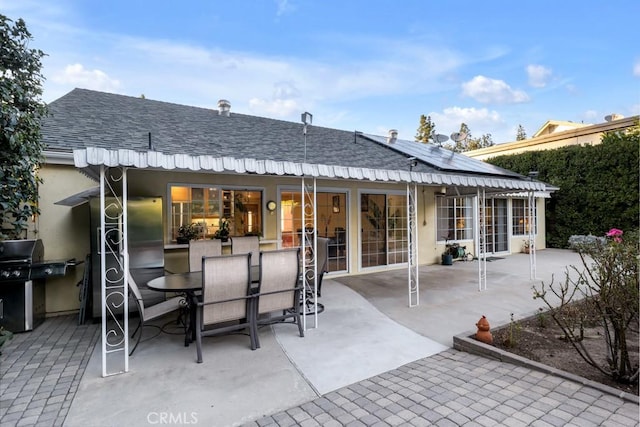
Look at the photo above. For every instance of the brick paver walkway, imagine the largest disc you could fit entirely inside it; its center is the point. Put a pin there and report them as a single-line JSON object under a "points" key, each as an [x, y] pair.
{"points": [[40, 371], [454, 388]]}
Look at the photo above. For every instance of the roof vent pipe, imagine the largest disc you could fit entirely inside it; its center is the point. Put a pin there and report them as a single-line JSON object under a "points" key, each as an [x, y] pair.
{"points": [[393, 136], [224, 107]]}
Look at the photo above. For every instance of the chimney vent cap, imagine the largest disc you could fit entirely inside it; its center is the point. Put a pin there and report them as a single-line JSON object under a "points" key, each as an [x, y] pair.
{"points": [[393, 136], [224, 107]]}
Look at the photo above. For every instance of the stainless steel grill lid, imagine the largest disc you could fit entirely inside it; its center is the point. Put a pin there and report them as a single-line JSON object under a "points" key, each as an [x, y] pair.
{"points": [[21, 251]]}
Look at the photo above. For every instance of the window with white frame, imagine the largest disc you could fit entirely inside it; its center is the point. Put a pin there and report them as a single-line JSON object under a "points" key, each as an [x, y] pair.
{"points": [[207, 205], [454, 218], [520, 217]]}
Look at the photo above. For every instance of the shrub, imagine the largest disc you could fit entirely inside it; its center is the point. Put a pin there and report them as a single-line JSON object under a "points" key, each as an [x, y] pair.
{"points": [[608, 283]]}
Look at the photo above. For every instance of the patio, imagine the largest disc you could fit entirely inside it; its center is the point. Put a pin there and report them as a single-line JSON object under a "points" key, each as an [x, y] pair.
{"points": [[362, 334]]}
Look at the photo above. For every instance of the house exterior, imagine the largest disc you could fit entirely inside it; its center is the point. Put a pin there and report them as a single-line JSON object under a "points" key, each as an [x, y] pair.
{"points": [[555, 134], [384, 202]]}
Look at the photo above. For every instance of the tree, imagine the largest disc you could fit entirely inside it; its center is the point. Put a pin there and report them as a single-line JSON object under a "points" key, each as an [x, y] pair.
{"points": [[467, 142], [598, 184], [21, 111], [521, 134], [475, 143], [426, 129]]}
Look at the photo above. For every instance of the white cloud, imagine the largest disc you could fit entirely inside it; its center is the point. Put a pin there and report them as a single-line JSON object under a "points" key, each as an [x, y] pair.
{"points": [[275, 108], [480, 121], [636, 68], [590, 115], [76, 75], [538, 75], [486, 90], [255, 83], [284, 6], [572, 89]]}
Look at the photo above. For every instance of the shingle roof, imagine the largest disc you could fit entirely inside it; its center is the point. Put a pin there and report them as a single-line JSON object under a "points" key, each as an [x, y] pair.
{"points": [[85, 118], [104, 128]]}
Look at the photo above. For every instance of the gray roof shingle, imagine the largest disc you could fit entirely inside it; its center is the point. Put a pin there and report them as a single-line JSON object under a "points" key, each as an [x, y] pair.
{"points": [[86, 118]]}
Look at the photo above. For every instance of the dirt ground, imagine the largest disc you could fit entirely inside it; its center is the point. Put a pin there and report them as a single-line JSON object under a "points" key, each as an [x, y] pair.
{"points": [[539, 339]]}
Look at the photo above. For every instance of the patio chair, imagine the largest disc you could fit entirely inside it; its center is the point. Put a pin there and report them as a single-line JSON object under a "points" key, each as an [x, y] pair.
{"points": [[308, 305], [279, 288], [323, 264], [225, 305], [200, 248], [154, 311], [248, 245]]}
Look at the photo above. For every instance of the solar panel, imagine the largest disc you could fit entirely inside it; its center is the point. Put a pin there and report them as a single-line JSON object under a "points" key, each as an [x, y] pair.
{"points": [[441, 158]]}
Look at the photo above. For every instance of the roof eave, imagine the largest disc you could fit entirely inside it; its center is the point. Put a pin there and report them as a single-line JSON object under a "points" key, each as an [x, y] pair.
{"points": [[89, 159]]}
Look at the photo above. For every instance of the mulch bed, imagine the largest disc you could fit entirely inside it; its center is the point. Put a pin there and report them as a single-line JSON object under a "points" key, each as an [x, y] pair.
{"points": [[540, 339]]}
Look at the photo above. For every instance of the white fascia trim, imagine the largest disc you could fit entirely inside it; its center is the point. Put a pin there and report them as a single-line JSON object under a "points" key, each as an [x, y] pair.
{"points": [[59, 157]]}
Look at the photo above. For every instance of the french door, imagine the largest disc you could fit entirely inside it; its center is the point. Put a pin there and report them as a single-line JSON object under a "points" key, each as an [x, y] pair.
{"points": [[497, 225], [383, 229], [332, 222]]}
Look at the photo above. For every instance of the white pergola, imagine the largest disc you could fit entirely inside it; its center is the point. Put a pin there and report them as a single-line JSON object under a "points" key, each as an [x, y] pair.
{"points": [[110, 168]]}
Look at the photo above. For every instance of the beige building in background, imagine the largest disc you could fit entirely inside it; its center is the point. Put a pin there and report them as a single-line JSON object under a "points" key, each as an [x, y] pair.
{"points": [[555, 134]]}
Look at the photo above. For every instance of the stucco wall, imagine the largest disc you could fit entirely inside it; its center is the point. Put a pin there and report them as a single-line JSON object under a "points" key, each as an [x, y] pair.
{"points": [[64, 232]]}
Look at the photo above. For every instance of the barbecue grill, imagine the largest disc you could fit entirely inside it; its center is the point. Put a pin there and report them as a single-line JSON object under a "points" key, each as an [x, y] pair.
{"points": [[23, 271]]}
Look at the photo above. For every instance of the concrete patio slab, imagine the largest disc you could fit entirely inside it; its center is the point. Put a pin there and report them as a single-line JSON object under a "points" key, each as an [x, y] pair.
{"points": [[354, 341], [450, 302], [232, 385]]}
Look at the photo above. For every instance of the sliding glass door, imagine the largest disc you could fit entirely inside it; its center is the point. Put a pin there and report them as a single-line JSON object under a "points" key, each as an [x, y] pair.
{"points": [[383, 229], [497, 225], [331, 209]]}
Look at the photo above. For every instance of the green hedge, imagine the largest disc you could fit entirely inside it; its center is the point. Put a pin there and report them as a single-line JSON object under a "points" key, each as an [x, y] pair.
{"points": [[598, 185]]}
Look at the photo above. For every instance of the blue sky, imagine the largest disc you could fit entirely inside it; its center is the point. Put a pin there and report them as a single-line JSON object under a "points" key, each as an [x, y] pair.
{"points": [[366, 65]]}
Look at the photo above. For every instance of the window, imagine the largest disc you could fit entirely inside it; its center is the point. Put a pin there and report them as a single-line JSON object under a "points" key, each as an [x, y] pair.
{"points": [[520, 217], [206, 206], [455, 218]]}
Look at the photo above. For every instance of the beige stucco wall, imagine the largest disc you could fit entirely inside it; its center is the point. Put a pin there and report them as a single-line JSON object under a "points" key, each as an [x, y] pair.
{"points": [[64, 232]]}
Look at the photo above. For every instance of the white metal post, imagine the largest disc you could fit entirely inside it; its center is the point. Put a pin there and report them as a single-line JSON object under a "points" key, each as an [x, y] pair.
{"points": [[309, 247], [103, 274], [531, 218], [413, 276], [482, 240], [114, 263], [125, 269]]}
